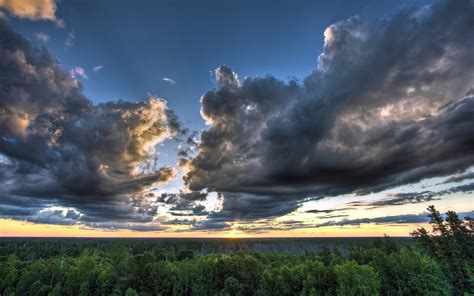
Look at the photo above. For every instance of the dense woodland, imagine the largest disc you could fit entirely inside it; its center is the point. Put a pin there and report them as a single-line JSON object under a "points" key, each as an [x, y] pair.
{"points": [[436, 262]]}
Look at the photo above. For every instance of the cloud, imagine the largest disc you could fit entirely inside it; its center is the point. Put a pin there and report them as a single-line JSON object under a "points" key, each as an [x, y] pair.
{"points": [[200, 210], [97, 69], [459, 177], [60, 23], [173, 198], [383, 95], [70, 37], [401, 198], [211, 225], [184, 203], [78, 71], [30, 9], [58, 149], [398, 219], [169, 80], [329, 211], [249, 207], [268, 225], [110, 215], [43, 37]]}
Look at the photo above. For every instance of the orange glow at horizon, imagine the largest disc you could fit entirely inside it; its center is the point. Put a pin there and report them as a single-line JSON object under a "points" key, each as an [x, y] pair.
{"points": [[14, 228]]}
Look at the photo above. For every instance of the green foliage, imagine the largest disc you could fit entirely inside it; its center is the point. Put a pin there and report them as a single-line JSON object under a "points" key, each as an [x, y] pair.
{"points": [[404, 272], [8, 274], [417, 274], [451, 243], [232, 287], [131, 292], [436, 263], [356, 280]]}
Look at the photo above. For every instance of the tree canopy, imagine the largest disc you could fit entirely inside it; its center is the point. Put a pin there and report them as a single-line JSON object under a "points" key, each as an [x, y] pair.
{"points": [[436, 262]]}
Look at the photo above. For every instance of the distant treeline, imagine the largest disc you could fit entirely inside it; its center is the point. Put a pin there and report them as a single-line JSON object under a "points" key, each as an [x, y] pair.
{"points": [[33, 248], [440, 262]]}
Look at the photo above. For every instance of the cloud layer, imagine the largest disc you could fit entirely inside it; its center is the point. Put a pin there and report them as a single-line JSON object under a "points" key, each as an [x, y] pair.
{"points": [[384, 94], [391, 102], [31, 9], [398, 219], [57, 147]]}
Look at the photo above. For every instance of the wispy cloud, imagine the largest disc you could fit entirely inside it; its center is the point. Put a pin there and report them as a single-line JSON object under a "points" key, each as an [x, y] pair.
{"points": [[43, 37], [397, 219], [459, 177], [96, 69], [401, 198], [60, 23], [169, 80], [70, 39], [78, 71]]}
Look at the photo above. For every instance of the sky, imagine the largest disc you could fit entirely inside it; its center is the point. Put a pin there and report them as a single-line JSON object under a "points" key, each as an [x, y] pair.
{"points": [[234, 119]]}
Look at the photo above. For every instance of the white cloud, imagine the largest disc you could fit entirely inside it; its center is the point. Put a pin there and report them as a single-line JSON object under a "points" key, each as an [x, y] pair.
{"points": [[169, 80], [69, 39], [78, 71], [30, 9], [60, 23], [96, 69], [43, 37]]}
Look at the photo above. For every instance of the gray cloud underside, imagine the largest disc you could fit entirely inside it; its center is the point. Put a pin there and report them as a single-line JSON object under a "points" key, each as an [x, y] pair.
{"points": [[108, 216], [220, 218], [459, 177], [398, 219], [263, 226], [328, 211], [415, 197], [391, 103], [58, 149]]}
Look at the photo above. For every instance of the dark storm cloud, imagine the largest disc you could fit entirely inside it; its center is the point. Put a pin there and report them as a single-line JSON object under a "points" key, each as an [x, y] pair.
{"points": [[188, 209], [189, 146], [184, 203], [19, 207], [390, 104], [57, 148], [15, 212], [111, 215], [467, 188], [200, 210], [211, 225], [174, 198], [246, 207], [179, 222]]}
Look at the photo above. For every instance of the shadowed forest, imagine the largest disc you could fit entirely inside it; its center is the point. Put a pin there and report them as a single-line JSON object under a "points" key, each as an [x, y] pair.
{"points": [[435, 262]]}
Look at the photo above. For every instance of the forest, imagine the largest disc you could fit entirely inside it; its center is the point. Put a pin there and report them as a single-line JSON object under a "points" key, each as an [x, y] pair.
{"points": [[439, 261]]}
